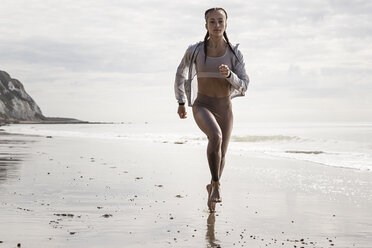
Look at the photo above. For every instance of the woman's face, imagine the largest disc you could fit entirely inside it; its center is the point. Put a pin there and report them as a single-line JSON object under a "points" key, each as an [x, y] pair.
{"points": [[216, 23]]}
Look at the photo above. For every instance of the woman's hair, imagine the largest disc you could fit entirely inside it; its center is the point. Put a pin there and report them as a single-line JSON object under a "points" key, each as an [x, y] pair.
{"points": [[207, 34]]}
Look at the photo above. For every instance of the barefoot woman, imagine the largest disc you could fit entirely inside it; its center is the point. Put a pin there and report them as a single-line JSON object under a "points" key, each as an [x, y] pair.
{"points": [[221, 75]]}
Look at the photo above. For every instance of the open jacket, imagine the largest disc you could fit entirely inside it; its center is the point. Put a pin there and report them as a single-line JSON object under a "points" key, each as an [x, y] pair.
{"points": [[186, 87]]}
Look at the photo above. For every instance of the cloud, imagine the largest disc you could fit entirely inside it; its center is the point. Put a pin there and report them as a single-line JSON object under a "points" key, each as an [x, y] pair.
{"points": [[305, 50]]}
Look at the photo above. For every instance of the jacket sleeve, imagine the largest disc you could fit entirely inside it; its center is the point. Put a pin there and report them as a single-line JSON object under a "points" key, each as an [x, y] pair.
{"points": [[239, 78], [181, 76]]}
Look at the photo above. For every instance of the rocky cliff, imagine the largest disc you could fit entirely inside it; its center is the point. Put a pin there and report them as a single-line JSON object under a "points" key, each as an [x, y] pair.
{"points": [[15, 103]]}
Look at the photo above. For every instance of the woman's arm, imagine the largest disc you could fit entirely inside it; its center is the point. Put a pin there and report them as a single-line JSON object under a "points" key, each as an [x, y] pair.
{"points": [[239, 78], [181, 76]]}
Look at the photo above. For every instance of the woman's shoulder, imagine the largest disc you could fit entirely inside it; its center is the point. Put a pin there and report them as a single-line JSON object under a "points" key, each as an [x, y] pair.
{"points": [[237, 50], [235, 47], [192, 47]]}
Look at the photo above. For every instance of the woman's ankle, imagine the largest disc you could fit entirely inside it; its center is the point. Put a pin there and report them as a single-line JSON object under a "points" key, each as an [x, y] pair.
{"points": [[215, 182]]}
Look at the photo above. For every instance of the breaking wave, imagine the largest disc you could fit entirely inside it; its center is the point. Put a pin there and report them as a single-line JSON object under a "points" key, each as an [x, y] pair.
{"points": [[268, 138]]}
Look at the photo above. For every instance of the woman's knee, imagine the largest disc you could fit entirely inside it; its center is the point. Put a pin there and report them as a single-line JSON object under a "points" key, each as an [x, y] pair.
{"points": [[216, 139]]}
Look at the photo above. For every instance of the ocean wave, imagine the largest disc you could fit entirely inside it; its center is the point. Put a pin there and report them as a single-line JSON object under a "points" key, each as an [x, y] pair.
{"points": [[352, 153], [306, 152], [263, 138], [350, 160]]}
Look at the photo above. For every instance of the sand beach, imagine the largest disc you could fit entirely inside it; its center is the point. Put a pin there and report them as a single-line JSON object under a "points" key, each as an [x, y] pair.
{"points": [[91, 192]]}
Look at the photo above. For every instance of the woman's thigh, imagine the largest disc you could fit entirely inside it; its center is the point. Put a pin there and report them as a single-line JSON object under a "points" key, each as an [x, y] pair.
{"points": [[206, 121], [225, 121]]}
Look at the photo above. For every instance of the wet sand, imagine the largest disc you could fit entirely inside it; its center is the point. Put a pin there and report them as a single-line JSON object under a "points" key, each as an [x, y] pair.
{"points": [[66, 192]]}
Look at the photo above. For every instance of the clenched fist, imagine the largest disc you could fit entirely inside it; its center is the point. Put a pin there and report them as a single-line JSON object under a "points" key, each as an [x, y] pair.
{"points": [[182, 111]]}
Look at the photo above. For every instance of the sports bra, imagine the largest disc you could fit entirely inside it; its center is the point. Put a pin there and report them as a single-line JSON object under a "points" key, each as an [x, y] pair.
{"points": [[209, 68]]}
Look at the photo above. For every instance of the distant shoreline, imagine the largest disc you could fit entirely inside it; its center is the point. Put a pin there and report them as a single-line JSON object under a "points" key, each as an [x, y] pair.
{"points": [[51, 120], [3, 123], [59, 120], [48, 120]]}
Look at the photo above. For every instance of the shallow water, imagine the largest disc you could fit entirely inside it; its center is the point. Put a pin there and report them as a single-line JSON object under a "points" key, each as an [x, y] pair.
{"points": [[103, 192], [347, 145]]}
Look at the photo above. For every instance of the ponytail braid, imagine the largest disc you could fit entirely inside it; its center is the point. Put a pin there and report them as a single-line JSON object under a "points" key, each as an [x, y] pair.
{"points": [[205, 46], [229, 44]]}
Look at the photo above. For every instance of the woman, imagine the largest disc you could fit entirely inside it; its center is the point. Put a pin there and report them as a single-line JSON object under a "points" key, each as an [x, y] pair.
{"points": [[221, 75]]}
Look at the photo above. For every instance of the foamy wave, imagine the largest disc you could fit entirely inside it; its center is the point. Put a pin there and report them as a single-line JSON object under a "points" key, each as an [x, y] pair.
{"points": [[306, 152], [253, 138], [351, 160], [352, 153]]}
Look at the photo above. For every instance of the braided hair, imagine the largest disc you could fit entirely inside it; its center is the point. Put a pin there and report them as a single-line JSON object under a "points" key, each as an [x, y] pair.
{"points": [[206, 37]]}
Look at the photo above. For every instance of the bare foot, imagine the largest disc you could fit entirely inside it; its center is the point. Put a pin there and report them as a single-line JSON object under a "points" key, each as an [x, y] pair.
{"points": [[215, 192], [211, 205]]}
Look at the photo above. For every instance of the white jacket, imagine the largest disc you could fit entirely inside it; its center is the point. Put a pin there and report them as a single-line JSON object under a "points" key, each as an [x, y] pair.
{"points": [[186, 86]]}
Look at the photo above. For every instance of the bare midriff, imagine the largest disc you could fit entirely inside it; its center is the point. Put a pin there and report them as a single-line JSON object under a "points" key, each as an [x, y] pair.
{"points": [[213, 87]]}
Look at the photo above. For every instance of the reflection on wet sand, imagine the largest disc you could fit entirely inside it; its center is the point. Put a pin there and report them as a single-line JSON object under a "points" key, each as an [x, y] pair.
{"points": [[212, 242], [12, 152], [7, 161]]}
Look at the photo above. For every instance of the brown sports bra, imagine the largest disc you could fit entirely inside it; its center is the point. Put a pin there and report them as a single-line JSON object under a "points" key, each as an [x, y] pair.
{"points": [[209, 68]]}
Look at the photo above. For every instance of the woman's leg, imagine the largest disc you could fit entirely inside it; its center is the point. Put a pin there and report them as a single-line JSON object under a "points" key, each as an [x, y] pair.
{"points": [[225, 122], [209, 125]]}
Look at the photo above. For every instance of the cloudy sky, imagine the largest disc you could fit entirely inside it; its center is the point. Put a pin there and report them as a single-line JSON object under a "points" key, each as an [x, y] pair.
{"points": [[106, 60]]}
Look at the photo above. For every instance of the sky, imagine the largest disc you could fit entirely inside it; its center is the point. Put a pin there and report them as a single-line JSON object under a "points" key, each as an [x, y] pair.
{"points": [[111, 60]]}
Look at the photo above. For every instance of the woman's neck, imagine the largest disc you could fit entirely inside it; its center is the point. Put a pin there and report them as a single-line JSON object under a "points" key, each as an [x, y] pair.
{"points": [[215, 42]]}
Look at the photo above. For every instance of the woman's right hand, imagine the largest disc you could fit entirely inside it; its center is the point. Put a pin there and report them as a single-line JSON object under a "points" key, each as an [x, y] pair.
{"points": [[182, 111]]}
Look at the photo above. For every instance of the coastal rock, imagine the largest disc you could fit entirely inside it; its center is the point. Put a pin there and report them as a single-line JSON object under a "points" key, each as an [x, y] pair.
{"points": [[15, 103]]}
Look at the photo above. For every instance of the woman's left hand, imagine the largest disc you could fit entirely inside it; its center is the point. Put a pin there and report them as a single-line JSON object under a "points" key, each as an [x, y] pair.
{"points": [[224, 70]]}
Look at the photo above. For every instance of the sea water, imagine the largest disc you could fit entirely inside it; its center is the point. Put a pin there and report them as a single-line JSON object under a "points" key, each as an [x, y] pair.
{"points": [[347, 145]]}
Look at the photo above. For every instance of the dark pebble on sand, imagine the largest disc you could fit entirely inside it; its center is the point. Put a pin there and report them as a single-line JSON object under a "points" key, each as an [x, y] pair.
{"points": [[24, 209], [72, 233], [19, 245], [49, 137], [179, 196], [107, 215], [179, 142], [65, 215]]}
